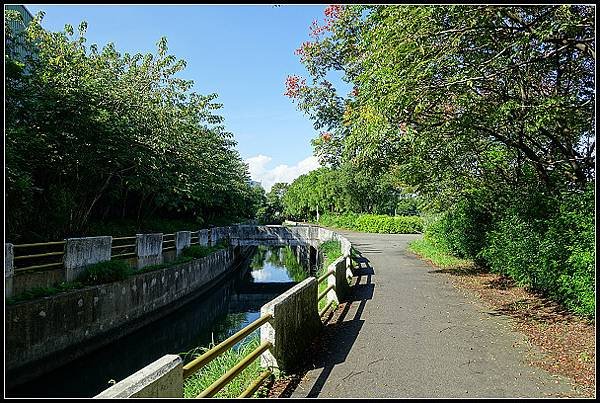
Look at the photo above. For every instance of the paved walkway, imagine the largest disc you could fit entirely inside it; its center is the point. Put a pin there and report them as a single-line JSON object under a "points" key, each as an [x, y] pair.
{"points": [[407, 332]]}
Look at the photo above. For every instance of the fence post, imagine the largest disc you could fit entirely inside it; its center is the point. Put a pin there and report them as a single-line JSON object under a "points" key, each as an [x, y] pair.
{"points": [[182, 240], [148, 248], [9, 269], [82, 252], [294, 324], [214, 236], [161, 378], [203, 237]]}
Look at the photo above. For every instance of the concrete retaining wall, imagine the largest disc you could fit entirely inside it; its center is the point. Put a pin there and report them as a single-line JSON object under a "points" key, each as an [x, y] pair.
{"points": [[45, 327], [294, 324]]}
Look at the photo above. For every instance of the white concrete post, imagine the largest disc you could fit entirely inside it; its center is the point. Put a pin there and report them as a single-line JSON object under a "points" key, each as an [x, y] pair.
{"points": [[148, 248], [161, 378], [203, 237], [214, 236], [82, 252], [9, 269], [182, 240], [294, 324]]}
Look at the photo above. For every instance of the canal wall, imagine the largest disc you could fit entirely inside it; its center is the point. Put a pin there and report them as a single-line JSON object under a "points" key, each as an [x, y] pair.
{"points": [[294, 317], [46, 333], [43, 334]]}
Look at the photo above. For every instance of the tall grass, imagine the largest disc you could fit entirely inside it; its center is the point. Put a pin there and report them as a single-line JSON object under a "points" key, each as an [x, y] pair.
{"points": [[202, 379]]}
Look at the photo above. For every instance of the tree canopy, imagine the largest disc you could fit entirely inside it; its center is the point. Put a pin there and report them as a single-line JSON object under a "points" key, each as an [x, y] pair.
{"points": [[96, 134]]}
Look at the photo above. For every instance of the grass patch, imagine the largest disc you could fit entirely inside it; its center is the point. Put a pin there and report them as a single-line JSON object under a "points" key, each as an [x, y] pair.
{"points": [[202, 379], [40, 292], [106, 272], [438, 257], [331, 250]]}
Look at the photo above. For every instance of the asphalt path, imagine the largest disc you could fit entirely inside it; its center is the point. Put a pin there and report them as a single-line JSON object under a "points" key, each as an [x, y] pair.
{"points": [[406, 332]]}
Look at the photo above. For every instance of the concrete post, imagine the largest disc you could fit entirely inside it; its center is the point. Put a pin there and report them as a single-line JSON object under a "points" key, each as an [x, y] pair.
{"points": [[82, 252], [182, 240], [339, 279], [162, 378], [148, 248], [214, 236], [203, 237], [9, 269], [294, 324]]}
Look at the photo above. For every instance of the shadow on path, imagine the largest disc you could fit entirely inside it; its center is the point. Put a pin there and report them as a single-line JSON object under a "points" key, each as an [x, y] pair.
{"points": [[341, 328]]}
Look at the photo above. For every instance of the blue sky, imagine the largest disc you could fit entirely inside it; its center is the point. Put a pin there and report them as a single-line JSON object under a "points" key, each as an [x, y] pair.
{"points": [[243, 53]]}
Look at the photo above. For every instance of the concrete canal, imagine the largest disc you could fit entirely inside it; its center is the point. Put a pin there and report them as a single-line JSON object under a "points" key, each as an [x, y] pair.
{"points": [[211, 317]]}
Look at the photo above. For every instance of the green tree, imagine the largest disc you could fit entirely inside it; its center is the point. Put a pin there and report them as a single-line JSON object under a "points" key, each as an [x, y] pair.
{"points": [[95, 134]]}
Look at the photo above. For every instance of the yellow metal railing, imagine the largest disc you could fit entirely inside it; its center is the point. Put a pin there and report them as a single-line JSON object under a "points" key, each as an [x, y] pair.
{"points": [[41, 260], [196, 364]]}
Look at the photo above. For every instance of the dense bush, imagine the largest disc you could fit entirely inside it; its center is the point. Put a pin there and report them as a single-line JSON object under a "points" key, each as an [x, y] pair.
{"points": [[389, 225], [555, 256], [382, 224], [461, 229], [545, 244], [106, 272]]}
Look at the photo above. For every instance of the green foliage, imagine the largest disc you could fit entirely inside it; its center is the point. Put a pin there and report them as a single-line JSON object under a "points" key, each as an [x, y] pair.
{"points": [[105, 272], [486, 112], [94, 135], [40, 292], [272, 210], [374, 223], [346, 190], [461, 229], [389, 225], [331, 250], [437, 255], [200, 251], [199, 381], [554, 255]]}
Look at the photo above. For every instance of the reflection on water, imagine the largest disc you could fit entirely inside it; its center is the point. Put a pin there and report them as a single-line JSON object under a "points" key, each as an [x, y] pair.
{"points": [[277, 264], [210, 318]]}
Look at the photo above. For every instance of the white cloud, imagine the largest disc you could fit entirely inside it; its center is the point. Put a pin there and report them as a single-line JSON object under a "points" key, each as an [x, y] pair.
{"points": [[281, 173]]}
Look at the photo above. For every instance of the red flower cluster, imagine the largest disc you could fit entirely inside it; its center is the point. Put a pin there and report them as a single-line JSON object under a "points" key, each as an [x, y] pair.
{"points": [[316, 30], [293, 85], [333, 11], [326, 136]]}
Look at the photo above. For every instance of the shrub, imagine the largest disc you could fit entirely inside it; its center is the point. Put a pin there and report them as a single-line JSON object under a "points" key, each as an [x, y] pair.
{"points": [[389, 225], [554, 256], [199, 251], [106, 272]]}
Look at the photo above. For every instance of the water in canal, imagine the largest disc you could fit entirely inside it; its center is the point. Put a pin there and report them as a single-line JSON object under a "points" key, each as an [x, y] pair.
{"points": [[212, 317]]}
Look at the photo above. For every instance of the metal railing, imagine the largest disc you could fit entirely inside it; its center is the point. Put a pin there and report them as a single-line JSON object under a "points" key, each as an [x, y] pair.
{"points": [[199, 362], [42, 258], [329, 272]]}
